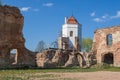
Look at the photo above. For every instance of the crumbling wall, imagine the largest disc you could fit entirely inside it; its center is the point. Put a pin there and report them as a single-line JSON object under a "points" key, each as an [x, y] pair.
{"points": [[63, 58], [101, 47], [11, 37]]}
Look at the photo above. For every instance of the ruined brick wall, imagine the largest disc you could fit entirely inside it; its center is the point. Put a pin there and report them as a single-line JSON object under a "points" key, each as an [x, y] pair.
{"points": [[63, 43], [52, 58], [11, 24], [11, 37], [101, 48]]}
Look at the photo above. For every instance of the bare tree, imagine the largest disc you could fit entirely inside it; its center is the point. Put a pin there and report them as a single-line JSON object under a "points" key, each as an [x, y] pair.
{"points": [[54, 44], [41, 46]]}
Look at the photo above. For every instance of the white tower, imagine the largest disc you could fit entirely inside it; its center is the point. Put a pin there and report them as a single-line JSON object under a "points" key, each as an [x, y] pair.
{"points": [[71, 34]]}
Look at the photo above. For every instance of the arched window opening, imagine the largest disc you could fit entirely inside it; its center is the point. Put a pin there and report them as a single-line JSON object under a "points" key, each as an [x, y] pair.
{"points": [[13, 56], [109, 39], [71, 33]]}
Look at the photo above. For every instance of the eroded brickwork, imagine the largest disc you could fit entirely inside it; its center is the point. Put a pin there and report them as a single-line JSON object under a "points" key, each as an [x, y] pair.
{"points": [[107, 53], [11, 37]]}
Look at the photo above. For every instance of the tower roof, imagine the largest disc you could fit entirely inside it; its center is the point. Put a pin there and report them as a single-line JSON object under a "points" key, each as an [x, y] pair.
{"points": [[72, 20]]}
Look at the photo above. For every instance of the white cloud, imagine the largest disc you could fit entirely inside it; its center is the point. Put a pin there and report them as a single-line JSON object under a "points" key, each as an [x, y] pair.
{"points": [[105, 16], [116, 16], [25, 8], [48, 4], [92, 14], [98, 20], [36, 10]]}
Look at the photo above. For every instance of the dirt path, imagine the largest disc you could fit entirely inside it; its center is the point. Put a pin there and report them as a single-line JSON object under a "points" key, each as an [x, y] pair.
{"points": [[94, 76], [100, 75]]}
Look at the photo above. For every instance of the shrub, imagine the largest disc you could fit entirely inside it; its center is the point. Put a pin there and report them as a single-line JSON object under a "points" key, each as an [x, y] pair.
{"points": [[102, 66]]}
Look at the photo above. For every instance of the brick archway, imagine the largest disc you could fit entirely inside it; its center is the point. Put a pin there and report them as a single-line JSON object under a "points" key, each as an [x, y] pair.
{"points": [[108, 58]]}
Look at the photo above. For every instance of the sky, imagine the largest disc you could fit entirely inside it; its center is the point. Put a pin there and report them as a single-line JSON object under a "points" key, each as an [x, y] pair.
{"points": [[43, 19]]}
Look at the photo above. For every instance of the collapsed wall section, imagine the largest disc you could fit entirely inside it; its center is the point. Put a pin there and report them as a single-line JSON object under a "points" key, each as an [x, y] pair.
{"points": [[11, 37]]}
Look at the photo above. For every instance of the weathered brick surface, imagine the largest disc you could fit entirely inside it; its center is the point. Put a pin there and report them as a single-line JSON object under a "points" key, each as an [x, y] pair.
{"points": [[100, 44], [63, 58], [11, 37]]}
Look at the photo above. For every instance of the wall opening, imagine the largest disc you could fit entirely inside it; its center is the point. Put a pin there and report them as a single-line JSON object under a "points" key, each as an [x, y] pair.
{"points": [[108, 58], [109, 39], [71, 33], [0, 21], [13, 56]]}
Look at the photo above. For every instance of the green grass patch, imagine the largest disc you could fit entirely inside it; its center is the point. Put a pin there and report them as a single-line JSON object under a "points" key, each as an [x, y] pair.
{"points": [[42, 74]]}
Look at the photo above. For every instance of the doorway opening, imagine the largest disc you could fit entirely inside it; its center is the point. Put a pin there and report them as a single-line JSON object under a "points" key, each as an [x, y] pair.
{"points": [[108, 58], [13, 56]]}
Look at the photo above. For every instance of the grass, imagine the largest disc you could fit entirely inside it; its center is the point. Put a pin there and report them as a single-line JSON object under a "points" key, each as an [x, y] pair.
{"points": [[42, 74], [30, 74]]}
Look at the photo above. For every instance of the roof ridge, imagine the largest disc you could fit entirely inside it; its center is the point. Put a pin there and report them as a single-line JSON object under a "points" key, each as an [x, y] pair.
{"points": [[72, 20]]}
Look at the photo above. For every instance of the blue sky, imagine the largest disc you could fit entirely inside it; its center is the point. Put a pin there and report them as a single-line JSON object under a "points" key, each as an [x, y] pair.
{"points": [[43, 19]]}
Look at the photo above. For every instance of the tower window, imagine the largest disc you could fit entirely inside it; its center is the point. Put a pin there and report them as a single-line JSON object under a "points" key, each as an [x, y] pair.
{"points": [[71, 33], [109, 39]]}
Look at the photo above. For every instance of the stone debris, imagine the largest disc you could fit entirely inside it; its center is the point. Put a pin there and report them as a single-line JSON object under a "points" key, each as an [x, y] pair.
{"points": [[62, 58]]}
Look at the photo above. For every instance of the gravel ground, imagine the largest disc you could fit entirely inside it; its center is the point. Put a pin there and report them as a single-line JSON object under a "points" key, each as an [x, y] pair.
{"points": [[100, 75]]}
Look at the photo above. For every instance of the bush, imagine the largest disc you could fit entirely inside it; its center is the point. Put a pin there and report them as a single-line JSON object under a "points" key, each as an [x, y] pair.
{"points": [[102, 66]]}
